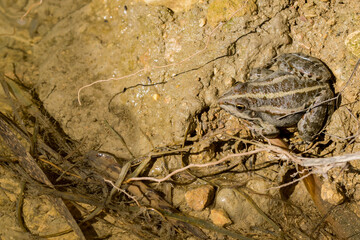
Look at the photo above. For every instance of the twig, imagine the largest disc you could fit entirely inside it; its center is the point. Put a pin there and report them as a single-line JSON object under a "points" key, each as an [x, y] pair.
{"points": [[310, 107], [194, 166], [352, 136], [292, 182], [123, 191], [328, 162], [351, 76], [29, 10], [312, 162], [58, 168]]}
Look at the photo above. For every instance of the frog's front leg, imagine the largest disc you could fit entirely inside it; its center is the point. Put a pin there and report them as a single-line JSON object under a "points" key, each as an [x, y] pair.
{"points": [[316, 116], [267, 130]]}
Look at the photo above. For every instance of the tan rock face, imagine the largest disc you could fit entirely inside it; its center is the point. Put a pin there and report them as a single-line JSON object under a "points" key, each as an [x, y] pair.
{"points": [[175, 5], [200, 197], [222, 10]]}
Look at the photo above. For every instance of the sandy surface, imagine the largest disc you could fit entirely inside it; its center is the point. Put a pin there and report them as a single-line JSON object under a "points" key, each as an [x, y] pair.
{"points": [[61, 47]]}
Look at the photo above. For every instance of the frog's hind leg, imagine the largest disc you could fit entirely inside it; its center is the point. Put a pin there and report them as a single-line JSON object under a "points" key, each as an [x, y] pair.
{"points": [[291, 62], [303, 66], [316, 116]]}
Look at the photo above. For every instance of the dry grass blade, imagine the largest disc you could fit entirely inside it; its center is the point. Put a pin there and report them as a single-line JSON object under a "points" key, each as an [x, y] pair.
{"points": [[108, 168], [21, 100], [19, 205], [205, 224], [30, 165], [258, 209]]}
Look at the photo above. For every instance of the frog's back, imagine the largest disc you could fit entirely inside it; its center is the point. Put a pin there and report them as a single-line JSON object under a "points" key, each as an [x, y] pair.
{"points": [[282, 95]]}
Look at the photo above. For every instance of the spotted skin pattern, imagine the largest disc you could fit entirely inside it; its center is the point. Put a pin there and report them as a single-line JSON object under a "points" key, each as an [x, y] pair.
{"points": [[291, 95]]}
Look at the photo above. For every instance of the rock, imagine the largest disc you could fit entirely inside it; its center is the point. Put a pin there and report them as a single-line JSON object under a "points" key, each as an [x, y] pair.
{"points": [[202, 22], [200, 197], [330, 194], [240, 211], [222, 10], [219, 217], [352, 43]]}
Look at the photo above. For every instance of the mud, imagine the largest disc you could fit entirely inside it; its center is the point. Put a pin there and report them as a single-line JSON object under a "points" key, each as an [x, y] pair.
{"points": [[61, 47]]}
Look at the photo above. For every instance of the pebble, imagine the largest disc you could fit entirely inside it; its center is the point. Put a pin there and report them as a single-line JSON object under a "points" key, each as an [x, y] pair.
{"points": [[352, 43], [330, 194], [202, 22], [199, 198], [219, 217]]}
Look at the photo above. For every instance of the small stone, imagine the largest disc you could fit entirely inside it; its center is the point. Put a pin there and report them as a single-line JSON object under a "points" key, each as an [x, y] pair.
{"points": [[352, 43], [215, 71], [202, 22], [229, 82], [219, 217], [200, 197], [156, 96], [331, 22], [309, 10], [330, 194]]}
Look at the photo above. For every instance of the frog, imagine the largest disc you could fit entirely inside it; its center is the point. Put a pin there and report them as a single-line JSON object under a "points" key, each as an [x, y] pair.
{"points": [[292, 90]]}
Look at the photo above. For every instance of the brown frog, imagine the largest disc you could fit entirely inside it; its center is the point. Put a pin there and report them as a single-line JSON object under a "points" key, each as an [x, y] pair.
{"points": [[294, 94]]}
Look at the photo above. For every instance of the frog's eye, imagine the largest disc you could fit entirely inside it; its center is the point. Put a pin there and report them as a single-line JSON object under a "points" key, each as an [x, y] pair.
{"points": [[240, 107]]}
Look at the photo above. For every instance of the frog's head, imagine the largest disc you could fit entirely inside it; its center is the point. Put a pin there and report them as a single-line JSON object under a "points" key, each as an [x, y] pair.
{"points": [[233, 102], [238, 104]]}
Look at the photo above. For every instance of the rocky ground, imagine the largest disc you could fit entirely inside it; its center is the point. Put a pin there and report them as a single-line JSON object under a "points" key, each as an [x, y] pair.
{"points": [[163, 65]]}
